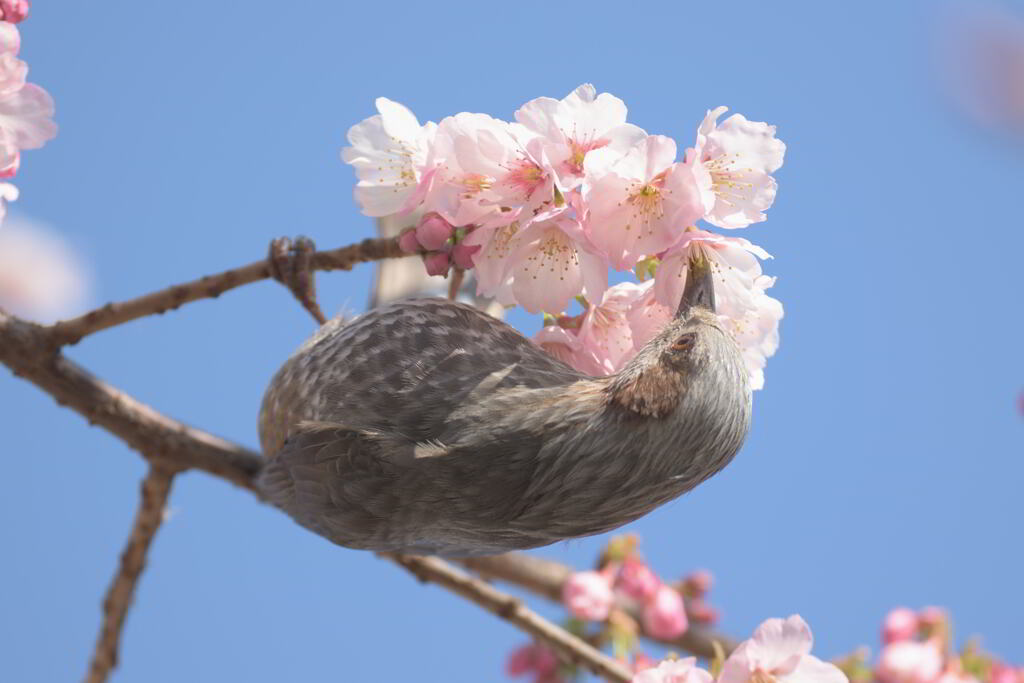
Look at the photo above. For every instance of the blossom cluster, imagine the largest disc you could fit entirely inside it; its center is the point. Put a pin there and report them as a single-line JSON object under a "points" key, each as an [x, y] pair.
{"points": [[541, 207], [26, 110], [917, 648]]}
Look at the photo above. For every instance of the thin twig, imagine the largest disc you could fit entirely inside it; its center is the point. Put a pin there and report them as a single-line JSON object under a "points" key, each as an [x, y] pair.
{"points": [[573, 649], [155, 489], [545, 578], [29, 351], [211, 286], [458, 275]]}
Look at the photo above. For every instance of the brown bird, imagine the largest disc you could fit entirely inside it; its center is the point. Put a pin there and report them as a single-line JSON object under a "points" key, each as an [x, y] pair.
{"points": [[427, 426]]}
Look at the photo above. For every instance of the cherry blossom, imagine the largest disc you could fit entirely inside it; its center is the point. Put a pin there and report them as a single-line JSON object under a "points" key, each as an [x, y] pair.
{"points": [[536, 659], [487, 171], [674, 671], [664, 615], [733, 260], [757, 331], [779, 652], [26, 110], [909, 661], [637, 580], [14, 11], [388, 152], [580, 122], [41, 278], [638, 204], [735, 162], [551, 266], [588, 595], [900, 624]]}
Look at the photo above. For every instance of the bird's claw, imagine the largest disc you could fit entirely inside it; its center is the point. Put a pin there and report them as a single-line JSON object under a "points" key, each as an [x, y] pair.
{"points": [[290, 264]]}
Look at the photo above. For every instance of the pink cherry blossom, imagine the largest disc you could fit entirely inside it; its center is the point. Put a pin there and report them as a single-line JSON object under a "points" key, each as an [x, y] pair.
{"points": [[909, 661], [588, 595], [552, 264], [536, 659], [677, 671], [1001, 673], [492, 259], [40, 276], [637, 580], [647, 316], [388, 151], [487, 172], [899, 624], [664, 615], [580, 122], [779, 651], [462, 255], [606, 331], [733, 260], [10, 38], [567, 347], [639, 203], [736, 160], [14, 11]]}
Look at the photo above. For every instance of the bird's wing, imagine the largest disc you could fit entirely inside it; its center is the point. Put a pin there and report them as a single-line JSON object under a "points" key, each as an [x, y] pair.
{"points": [[405, 367]]}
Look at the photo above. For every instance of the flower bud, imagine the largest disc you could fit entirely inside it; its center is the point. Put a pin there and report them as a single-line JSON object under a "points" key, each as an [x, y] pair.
{"points": [[698, 583], [637, 580], [462, 255], [909, 661], [433, 231], [436, 263], [664, 616], [588, 595], [408, 243], [14, 11]]}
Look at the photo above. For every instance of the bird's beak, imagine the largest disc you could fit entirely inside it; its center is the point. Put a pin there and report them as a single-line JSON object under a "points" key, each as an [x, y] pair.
{"points": [[700, 287]]}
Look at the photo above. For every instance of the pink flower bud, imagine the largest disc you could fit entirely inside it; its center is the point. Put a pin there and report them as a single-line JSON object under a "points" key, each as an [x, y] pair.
{"points": [[433, 232], [532, 658], [908, 661], [588, 595], [1001, 673], [637, 580], [664, 616], [900, 624], [408, 243], [702, 612], [698, 583], [436, 263], [462, 255], [932, 616], [14, 11]]}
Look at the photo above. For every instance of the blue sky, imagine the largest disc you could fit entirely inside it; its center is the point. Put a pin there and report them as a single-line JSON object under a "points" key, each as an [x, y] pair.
{"points": [[885, 463]]}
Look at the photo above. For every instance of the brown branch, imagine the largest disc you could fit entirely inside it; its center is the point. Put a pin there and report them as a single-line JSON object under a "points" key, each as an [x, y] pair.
{"points": [[545, 578], [572, 649], [155, 489], [212, 286], [30, 351]]}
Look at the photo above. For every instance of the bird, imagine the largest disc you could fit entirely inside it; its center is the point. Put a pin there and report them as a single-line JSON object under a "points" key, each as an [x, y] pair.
{"points": [[426, 426]]}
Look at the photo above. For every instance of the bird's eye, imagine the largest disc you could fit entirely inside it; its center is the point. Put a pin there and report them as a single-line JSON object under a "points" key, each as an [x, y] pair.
{"points": [[685, 342]]}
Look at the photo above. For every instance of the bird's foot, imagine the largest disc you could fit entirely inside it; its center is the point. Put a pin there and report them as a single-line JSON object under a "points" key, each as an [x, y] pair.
{"points": [[291, 264]]}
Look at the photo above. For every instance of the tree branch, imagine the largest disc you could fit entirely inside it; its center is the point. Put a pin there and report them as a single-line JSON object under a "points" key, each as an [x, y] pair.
{"points": [[30, 351], [570, 647], [344, 258], [545, 578], [155, 489]]}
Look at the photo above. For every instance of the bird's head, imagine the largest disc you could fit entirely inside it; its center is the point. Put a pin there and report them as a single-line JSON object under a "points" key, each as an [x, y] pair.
{"points": [[691, 355]]}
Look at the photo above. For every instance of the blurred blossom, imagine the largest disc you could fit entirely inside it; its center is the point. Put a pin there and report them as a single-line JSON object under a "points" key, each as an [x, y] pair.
{"points": [[900, 624], [588, 595], [535, 659], [982, 63], [664, 615], [41, 278], [674, 671], [637, 580], [909, 661]]}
